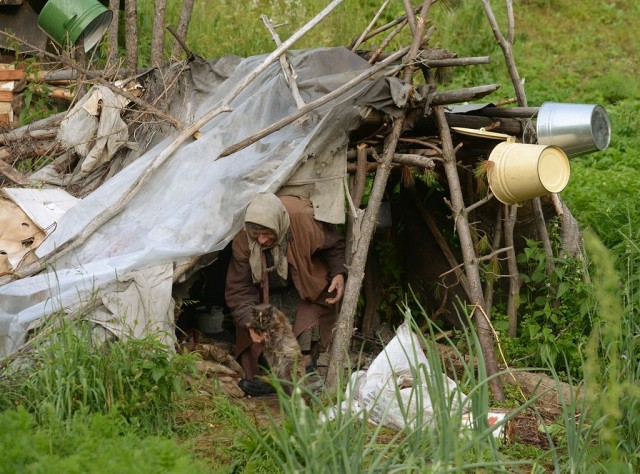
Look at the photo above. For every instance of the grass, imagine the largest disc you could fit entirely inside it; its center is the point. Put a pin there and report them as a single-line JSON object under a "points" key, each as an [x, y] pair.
{"points": [[93, 409], [70, 372], [98, 443]]}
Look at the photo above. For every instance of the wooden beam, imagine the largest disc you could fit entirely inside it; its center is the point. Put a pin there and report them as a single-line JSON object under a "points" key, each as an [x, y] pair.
{"points": [[11, 74]]}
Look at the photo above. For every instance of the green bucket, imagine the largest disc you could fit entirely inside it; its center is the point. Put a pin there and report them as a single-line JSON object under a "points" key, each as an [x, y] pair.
{"points": [[65, 21]]}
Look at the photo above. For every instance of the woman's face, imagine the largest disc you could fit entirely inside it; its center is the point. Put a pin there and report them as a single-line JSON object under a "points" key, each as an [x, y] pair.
{"points": [[266, 238]]}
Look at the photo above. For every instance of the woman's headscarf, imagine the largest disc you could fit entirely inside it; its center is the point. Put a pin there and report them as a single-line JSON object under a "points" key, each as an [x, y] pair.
{"points": [[267, 210]]}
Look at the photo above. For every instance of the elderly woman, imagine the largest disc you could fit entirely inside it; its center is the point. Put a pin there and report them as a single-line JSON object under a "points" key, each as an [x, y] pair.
{"points": [[285, 257]]}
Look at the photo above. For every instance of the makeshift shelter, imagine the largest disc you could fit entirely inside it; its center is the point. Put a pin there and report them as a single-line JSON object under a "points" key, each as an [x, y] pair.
{"points": [[144, 225]]}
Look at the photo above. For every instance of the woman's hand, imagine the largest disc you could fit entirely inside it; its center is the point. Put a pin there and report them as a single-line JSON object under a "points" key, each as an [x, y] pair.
{"points": [[256, 337], [337, 285]]}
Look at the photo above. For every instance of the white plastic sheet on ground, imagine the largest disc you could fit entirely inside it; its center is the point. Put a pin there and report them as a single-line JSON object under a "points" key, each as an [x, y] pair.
{"points": [[389, 390]]}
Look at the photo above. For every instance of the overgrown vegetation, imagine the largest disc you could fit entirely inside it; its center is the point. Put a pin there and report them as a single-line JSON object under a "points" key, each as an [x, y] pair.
{"points": [[70, 373], [120, 407]]}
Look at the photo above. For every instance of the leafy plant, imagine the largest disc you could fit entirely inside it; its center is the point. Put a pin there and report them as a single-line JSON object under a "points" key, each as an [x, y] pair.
{"points": [[555, 312], [72, 373], [36, 103]]}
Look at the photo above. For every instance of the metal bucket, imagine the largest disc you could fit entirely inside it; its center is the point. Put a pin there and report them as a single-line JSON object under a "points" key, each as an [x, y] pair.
{"points": [[65, 20], [576, 128], [519, 171], [210, 322]]}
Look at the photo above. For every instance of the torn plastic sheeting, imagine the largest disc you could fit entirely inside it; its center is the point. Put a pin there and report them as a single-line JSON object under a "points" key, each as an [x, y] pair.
{"points": [[94, 129], [193, 204], [391, 376]]}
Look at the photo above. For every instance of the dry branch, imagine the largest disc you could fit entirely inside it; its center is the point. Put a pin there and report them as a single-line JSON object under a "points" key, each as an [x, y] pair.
{"points": [[100, 80], [376, 54], [344, 326], [287, 69], [313, 105], [359, 41], [384, 28], [183, 26], [9, 171], [183, 45], [462, 95]]}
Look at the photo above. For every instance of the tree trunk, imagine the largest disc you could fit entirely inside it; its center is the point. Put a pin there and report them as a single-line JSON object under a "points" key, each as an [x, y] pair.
{"points": [[112, 35], [183, 26], [157, 39], [131, 37]]}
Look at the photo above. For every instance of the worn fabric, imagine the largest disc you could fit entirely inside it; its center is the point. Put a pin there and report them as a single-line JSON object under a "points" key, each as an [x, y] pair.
{"points": [[268, 211], [315, 254]]}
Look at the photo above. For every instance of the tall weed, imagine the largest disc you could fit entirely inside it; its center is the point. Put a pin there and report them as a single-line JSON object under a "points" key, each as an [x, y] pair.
{"points": [[70, 373], [611, 371]]}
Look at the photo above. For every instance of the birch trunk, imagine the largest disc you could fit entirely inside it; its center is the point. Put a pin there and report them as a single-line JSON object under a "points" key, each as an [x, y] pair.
{"points": [[157, 38]]}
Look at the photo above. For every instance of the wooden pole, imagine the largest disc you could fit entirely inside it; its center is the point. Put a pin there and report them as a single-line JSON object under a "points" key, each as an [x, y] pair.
{"points": [[131, 36], [112, 33], [485, 334], [344, 327]]}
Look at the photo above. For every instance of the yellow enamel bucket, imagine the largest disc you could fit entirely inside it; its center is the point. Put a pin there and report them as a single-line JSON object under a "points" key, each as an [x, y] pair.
{"points": [[518, 172]]}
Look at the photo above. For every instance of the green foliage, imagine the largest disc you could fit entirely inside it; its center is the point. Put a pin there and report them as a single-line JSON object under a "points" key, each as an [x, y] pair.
{"points": [[72, 373], [37, 104], [612, 372], [555, 312], [90, 444]]}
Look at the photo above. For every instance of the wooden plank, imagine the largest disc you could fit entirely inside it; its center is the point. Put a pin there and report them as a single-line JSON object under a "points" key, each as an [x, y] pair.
{"points": [[4, 119], [6, 96], [11, 75]]}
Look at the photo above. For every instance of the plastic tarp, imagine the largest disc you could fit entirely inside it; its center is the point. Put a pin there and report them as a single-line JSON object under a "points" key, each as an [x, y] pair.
{"points": [[193, 204], [394, 390]]}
